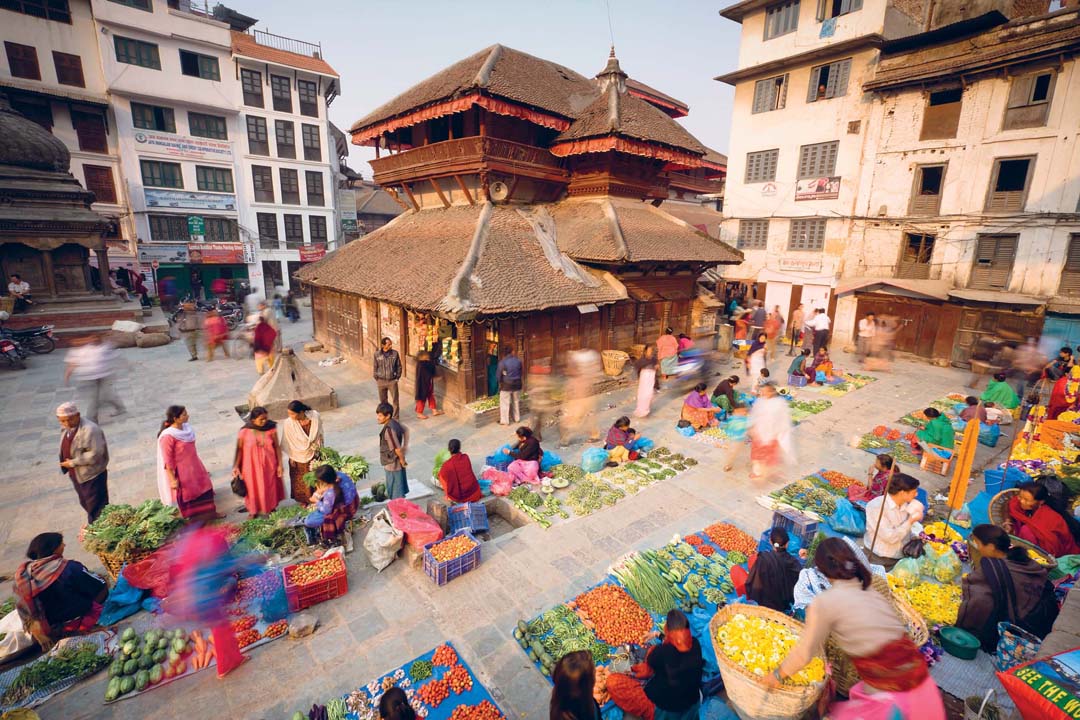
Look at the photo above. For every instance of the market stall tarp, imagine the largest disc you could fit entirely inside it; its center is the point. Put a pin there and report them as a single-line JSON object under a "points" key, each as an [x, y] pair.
{"points": [[39, 695], [433, 669]]}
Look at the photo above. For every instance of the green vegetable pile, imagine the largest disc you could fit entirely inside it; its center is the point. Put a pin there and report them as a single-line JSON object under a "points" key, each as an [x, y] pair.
{"points": [[538, 508], [335, 709], [572, 473], [76, 660], [554, 634], [592, 493], [811, 406], [124, 529], [7, 606], [420, 670], [272, 533], [523, 494], [146, 660], [355, 466], [643, 576], [694, 574], [807, 494]]}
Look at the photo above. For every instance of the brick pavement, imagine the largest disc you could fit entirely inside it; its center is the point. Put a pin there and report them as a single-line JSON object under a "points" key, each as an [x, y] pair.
{"points": [[387, 618]]}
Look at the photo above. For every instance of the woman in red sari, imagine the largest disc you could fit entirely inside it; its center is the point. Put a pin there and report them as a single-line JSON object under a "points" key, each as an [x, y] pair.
{"points": [[258, 463], [1032, 519], [181, 473], [457, 477]]}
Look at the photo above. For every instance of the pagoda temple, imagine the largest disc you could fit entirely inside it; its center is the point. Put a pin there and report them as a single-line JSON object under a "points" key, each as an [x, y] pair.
{"points": [[532, 220]]}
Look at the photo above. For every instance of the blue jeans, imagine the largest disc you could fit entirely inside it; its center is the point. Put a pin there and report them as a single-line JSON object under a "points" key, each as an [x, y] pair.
{"points": [[397, 486]]}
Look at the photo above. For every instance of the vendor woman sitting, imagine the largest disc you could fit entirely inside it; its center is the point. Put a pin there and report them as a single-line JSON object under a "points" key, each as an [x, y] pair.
{"points": [[620, 441], [799, 365], [999, 393], [327, 495], [457, 477], [771, 582], [56, 596], [526, 452], [723, 395], [821, 364], [1031, 518], [938, 431], [698, 410]]}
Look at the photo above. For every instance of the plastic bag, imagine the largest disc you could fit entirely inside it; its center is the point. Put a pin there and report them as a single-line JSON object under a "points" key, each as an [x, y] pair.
{"points": [[440, 457], [908, 572], [150, 574], [1066, 565], [419, 527], [736, 427], [989, 434], [940, 563], [699, 627], [686, 430], [643, 445], [124, 600], [499, 482], [382, 541], [847, 519], [13, 638], [594, 459], [820, 376], [549, 460]]}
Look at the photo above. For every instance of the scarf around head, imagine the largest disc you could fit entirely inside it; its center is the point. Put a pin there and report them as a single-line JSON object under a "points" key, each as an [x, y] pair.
{"points": [[270, 425], [36, 576]]}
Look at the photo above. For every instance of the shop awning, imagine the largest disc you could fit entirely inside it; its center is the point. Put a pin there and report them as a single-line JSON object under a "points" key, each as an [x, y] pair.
{"points": [[936, 289], [66, 95], [996, 296], [1065, 307]]}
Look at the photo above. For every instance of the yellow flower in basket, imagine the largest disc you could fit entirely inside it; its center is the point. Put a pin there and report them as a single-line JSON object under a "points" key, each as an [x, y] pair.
{"points": [[942, 532], [760, 645]]}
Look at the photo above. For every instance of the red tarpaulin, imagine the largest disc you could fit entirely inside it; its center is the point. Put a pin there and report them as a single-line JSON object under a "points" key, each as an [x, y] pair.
{"points": [[311, 253]]}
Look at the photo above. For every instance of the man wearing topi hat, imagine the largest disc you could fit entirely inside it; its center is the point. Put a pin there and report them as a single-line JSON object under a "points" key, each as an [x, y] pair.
{"points": [[84, 456]]}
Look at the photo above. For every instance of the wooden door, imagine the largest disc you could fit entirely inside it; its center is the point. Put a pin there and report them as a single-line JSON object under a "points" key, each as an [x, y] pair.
{"points": [[623, 318], [590, 331], [654, 321], [796, 300], [539, 344], [566, 334]]}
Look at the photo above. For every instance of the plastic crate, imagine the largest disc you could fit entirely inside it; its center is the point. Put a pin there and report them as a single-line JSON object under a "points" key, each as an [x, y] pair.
{"points": [[932, 462], [796, 380], [471, 516], [301, 597], [444, 572], [796, 524]]}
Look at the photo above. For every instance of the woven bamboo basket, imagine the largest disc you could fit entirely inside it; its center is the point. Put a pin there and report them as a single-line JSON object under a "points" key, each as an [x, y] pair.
{"points": [[999, 506], [637, 350], [614, 360], [843, 670], [750, 699], [1033, 550], [114, 562]]}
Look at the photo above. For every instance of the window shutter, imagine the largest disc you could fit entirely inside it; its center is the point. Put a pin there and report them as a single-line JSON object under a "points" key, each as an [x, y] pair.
{"points": [[783, 92], [845, 6], [994, 255], [828, 158], [761, 95], [856, 5], [99, 180], [1020, 91], [815, 76], [841, 71], [770, 159]]}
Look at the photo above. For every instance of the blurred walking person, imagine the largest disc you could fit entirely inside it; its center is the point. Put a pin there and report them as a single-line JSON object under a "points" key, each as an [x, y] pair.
{"points": [[263, 344], [795, 327], [667, 353], [187, 322], [771, 442], [584, 370], [93, 364], [543, 397], [774, 326], [865, 337], [646, 367], [217, 332]]}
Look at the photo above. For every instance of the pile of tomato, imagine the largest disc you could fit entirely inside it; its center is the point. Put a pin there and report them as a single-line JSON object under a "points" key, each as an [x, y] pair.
{"points": [[245, 623], [444, 656], [728, 538], [485, 710], [459, 679], [451, 549], [314, 571], [616, 617], [276, 628], [248, 637], [434, 692]]}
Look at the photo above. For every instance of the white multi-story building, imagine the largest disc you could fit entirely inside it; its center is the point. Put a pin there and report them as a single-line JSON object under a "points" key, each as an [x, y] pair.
{"points": [[207, 141], [897, 156], [50, 72], [288, 159]]}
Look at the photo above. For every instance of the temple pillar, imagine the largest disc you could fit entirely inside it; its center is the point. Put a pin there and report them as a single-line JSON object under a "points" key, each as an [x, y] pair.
{"points": [[103, 270], [50, 272]]}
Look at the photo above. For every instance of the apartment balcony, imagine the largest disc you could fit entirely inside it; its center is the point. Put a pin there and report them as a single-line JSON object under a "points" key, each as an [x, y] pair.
{"points": [[467, 156]]}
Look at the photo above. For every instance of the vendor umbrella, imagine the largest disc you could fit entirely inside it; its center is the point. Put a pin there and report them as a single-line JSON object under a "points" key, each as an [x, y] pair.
{"points": [[965, 457]]}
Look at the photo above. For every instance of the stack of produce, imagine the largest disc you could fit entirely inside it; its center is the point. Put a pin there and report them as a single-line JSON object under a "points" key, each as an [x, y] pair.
{"points": [[75, 660], [147, 659], [839, 480], [938, 604], [808, 495], [614, 616], [644, 578], [728, 537], [355, 466], [592, 493], [449, 549], [760, 645], [811, 407], [124, 530], [273, 533]]}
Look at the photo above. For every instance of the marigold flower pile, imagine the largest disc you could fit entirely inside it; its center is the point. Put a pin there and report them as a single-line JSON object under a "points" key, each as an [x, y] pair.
{"points": [[760, 645]]}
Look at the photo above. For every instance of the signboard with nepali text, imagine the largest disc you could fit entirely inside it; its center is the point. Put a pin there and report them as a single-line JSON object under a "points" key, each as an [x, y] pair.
{"points": [[163, 253], [162, 198], [216, 253], [822, 188], [183, 146], [311, 253]]}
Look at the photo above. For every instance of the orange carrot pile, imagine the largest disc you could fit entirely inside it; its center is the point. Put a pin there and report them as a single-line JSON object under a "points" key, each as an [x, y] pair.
{"points": [[617, 619], [204, 651]]}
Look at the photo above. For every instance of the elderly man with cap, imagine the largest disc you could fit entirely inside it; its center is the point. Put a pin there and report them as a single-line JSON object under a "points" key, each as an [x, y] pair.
{"points": [[84, 456]]}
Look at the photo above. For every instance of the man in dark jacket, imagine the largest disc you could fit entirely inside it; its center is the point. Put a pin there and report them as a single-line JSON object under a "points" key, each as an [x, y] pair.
{"points": [[387, 371], [757, 319], [509, 373]]}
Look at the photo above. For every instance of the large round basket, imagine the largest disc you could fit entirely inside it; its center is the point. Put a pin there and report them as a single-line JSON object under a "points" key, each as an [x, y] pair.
{"points": [[114, 562], [998, 509], [750, 699], [1033, 550], [614, 360], [637, 350], [843, 670]]}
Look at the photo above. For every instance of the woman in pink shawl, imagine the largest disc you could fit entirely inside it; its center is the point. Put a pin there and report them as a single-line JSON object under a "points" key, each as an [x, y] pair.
{"points": [[182, 478], [526, 453], [258, 463]]}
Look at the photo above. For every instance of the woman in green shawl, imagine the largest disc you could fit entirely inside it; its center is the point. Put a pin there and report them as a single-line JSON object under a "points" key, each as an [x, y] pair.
{"points": [[999, 393], [939, 431]]}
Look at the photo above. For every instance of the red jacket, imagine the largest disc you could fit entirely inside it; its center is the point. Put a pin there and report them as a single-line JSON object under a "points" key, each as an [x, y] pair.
{"points": [[264, 337], [458, 480]]}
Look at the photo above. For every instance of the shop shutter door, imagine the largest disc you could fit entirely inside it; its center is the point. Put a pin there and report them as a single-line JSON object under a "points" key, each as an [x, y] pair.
{"points": [[1070, 274]]}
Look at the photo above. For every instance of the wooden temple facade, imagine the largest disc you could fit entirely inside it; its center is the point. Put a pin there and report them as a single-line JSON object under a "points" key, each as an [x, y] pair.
{"points": [[532, 219]]}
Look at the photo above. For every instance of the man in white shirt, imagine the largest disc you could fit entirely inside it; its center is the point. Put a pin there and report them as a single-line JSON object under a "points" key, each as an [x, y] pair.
{"points": [[20, 290], [889, 520], [820, 324], [867, 331]]}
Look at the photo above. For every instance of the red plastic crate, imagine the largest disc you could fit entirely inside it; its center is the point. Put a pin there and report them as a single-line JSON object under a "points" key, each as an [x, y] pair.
{"points": [[301, 597], [444, 572]]}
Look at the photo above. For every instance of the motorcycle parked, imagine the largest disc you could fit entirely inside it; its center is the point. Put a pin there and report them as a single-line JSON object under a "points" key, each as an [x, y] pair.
{"points": [[37, 340], [10, 352]]}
